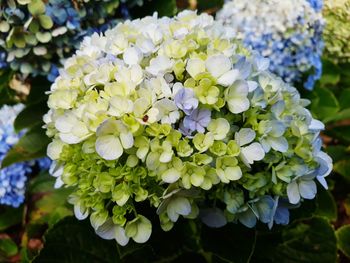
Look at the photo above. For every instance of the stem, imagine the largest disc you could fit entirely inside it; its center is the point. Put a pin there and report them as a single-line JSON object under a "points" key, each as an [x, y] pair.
{"points": [[253, 247]]}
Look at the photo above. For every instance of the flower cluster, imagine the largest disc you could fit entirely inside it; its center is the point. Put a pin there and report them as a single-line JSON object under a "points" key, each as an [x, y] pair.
{"points": [[288, 32], [36, 35], [336, 33], [175, 114], [13, 178]]}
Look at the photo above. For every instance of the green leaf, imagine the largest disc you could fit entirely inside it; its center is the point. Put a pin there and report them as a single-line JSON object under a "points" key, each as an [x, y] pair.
{"points": [[30, 116], [72, 241], [10, 216], [205, 5], [232, 243], [31, 146], [307, 241], [336, 152], [343, 238], [325, 104], [164, 8], [44, 182], [343, 168], [342, 133], [331, 73], [45, 21], [52, 207], [39, 86], [344, 99], [7, 95], [342, 115], [8, 247], [36, 7], [326, 206]]}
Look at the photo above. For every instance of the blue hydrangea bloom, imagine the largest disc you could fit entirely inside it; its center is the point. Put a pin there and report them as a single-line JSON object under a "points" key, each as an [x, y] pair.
{"points": [[14, 177], [287, 32], [316, 4], [44, 163], [197, 120], [3, 63], [63, 13], [71, 22]]}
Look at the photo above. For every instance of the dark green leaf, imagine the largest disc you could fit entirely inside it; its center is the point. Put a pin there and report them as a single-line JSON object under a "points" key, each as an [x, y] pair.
{"points": [[331, 73], [7, 95], [343, 168], [71, 241], [341, 133], [342, 115], [343, 237], [213, 5], [164, 8], [232, 243], [307, 241], [30, 116], [344, 99], [31, 146], [10, 216], [8, 248], [39, 86], [325, 103], [336, 152], [44, 182], [326, 206]]}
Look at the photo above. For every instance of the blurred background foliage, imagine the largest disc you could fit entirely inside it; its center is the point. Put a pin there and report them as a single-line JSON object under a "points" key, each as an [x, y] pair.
{"points": [[44, 230]]}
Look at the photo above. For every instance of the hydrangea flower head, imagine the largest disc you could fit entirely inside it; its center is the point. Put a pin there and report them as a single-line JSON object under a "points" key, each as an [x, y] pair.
{"points": [[175, 114], [12, 178], [37, 36], [336, 33], [287, 32]]}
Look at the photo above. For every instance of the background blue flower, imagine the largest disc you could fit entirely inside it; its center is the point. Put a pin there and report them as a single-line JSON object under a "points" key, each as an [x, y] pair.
{"points": [[288, 32], [13, 178]]}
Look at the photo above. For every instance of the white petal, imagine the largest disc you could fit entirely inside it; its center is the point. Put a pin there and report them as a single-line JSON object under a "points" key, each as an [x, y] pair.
{"points": [[217, 65], [144, 230], [178, 206], [322, 181], [252, 85], [58, 183], [70, 138], [107, 127], [54, 149], [171, 175], [80, 215], [233, 173], [107, 230], [160, 65], [120, 236], [307, 189], [245, 136], [238, 105], [293, 192], [228, 78], [109, 147], [195, 66], [279, 144], [316, 125], [127, 140], [65, 123], [253, 152], [132, 56]]}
